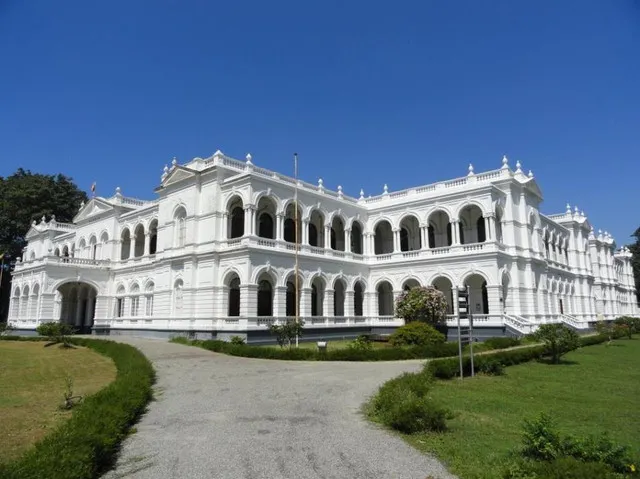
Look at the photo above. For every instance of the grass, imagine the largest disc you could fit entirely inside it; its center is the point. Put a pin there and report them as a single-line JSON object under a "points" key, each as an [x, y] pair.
{"points": [[32, 383], [595, 390]]}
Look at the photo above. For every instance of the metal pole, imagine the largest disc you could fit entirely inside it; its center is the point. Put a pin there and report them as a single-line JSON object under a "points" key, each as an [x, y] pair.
{"points": [[459, 336], [295, 226], [470, 333]]}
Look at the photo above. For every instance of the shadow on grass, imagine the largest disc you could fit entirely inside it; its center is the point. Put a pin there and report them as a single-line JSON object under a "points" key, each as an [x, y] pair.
{"points": [[561, 362], [62, 345]]}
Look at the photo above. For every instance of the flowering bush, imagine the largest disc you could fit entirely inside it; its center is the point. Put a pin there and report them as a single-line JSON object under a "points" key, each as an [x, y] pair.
{"points": [[416, 334], [425, 304]]}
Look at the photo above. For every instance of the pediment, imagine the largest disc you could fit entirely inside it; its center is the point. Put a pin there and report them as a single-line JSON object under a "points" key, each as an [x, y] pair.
{"points": [[32, 232], [94, 207], [532, 186], [177, 175]]}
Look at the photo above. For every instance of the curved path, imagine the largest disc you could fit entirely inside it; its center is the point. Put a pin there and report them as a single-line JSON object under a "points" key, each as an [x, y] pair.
{"points": [[217, 416]]}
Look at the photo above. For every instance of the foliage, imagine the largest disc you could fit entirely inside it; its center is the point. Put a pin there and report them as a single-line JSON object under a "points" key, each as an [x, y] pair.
{"points": [[501, 343], [69, 399], [627, 326], [562, 468], [5, 328], [57, 333], [425, 304], [635, 260], [287, 333], [25, 197], [404, 404], [86, 445], [541, 441], [558, 340], [416, 333], [361, 343], [237, 340]]}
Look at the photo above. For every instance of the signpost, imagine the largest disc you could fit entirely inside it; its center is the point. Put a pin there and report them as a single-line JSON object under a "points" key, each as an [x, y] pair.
{"points": [[465, 333]]}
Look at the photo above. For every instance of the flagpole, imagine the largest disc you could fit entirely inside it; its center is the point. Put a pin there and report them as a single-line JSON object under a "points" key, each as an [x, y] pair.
{"points": [[295, 176]]}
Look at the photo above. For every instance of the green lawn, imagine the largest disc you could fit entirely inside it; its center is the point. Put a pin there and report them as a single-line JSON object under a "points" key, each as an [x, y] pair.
{"points": [[598, 391], [32, 383]]}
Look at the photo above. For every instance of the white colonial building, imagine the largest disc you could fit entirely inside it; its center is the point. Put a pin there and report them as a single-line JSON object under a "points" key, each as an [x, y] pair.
{"points": [[214, 254]]}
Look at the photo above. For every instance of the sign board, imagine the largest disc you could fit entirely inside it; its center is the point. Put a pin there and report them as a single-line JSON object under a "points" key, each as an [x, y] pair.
{"points": [[465, 332]]}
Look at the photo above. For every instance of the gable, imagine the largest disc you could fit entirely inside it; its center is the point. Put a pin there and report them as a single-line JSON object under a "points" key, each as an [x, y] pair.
{"points": [[177, 175], [93, 208]]}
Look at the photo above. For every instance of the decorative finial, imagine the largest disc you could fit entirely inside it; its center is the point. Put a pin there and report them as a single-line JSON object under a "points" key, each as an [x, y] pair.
{"points": [[582, 213], [33, 223], [385, 189], [471, 173], [174, 162], [320, 184], [249, 159], [518, 167], [53, 218], [361, 194], [568, 209], [530, 174], [339, 191], [505, 162], [82, 204], [43, 219], [218, 153], [118, 191], [575, 209]]}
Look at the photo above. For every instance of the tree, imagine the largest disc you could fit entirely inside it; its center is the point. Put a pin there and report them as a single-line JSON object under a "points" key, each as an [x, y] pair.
{"points": [[558, 340], [425, 304], [24, 197], [635, 260], [286, 333]]}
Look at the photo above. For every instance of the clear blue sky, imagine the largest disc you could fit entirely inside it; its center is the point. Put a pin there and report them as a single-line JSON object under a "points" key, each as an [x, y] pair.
{"points": [[403, 93]]}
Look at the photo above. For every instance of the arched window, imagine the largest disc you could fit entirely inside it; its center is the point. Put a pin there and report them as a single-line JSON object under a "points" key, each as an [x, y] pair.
{"points": [[317, 297], [471, 222], [65, 253], [135, 300], [138, 249], [15, 303], [385, 299], [439, 230], [119, 310], [35, 302], [104, 241], [93, 247], [338, 298], [358, 299], [383, 240], [234, 297], [24, 308], [291, 296], [125, 244], [337, 234], [148, 304], [266, 214], [480, 227], [410, 234], [56, 252], [236, 218], [180, 227], [153, 237], [265, 297], [290, 225], [356, 238], [316, 229]]}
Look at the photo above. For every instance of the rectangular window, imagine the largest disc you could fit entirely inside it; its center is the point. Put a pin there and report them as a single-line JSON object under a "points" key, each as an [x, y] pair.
{"points": [[119, 307], [149, 306], [135, 302]]}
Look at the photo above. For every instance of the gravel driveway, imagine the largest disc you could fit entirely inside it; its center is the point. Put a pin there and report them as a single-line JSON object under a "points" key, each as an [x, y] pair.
{"points": [[217, 416]]}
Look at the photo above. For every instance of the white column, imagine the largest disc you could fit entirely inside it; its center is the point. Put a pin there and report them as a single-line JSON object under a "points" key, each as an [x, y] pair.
{"points": [[279, 225], [147, 242], [455, 232], [396, 240], [225, 226], [132, 246], [349, 308], [327, 237], [424, 237], [305, 302], [327, 306], [280, 301], [248, 300], [347, 240]]}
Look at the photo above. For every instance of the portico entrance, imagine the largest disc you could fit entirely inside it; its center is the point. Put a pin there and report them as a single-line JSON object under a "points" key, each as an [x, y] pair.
{"points": [[77, 304]]}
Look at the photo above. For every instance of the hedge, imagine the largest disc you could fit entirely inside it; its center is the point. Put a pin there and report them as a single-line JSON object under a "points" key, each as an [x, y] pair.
{"points": [[86, 445], [347, 354], [448, 368]]}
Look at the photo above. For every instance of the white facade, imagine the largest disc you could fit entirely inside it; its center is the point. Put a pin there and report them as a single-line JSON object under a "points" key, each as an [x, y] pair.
{"points": [[215, 252]]}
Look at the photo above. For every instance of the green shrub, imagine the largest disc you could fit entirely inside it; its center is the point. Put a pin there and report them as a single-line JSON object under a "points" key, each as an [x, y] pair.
{"points": [[287, 333], [425, 304], [416, 334], [57, 333], [558, 340], [403, 404], [237, 340], [562, 468], [361, 343], [5, 328], [86, 445], [488, 365], [541, 441], [627, 326], [501, 343]]}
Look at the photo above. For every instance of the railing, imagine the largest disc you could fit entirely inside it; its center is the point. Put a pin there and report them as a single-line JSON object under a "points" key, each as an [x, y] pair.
{"points": [[262, 322], [472, 247], [67, 260], [572, 321], [518, 323]]}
